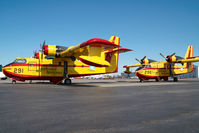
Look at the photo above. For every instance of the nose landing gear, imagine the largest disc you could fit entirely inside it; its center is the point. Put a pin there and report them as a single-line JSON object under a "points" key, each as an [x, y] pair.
{"points": [[14, 81]]}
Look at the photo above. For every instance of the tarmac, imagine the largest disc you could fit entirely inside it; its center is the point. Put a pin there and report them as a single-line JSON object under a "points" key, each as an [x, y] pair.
{"points": [[100, 106]]}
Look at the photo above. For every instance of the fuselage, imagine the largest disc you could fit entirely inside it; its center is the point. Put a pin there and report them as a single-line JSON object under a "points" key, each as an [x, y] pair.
{"points": [[53, 69]]}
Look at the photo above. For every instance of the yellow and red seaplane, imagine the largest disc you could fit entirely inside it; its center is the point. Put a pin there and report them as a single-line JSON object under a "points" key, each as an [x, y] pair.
{"points": [[174, 65], [58, 63]]}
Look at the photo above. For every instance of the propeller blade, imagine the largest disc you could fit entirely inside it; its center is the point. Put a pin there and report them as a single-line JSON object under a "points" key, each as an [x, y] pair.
{"points": [[44, 42], [163, 56], [137, 60], [143, 58], [172, 54]]}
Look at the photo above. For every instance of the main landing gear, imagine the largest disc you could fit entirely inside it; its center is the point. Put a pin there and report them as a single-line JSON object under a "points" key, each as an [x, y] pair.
{"points": [[158, 79], [67, 81], [175, 79]]}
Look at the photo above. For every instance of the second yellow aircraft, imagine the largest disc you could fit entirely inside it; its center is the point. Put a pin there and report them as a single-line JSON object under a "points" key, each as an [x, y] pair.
{"points": [[174, 65]]}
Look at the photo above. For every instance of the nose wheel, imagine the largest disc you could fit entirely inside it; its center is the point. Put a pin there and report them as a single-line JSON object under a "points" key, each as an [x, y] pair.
{"points": [[14, 82], [141, 80]]}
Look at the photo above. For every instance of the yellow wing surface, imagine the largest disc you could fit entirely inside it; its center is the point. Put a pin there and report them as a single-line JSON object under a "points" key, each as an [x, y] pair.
{"points": [[93, 52], [134, 65]]}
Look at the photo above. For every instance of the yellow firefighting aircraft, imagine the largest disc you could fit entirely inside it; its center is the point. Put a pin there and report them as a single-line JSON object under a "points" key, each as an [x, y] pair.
{"points": [[174, 65], [58, 63]]}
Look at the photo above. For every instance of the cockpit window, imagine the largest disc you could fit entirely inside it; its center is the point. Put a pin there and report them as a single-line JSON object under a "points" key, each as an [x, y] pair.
{"points": [[147, 66], [17, 61], [139, 68], [143, 66], [0, 68]]}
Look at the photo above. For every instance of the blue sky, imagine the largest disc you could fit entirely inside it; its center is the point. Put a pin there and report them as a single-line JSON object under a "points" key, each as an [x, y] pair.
{"points": [[146, 26]]}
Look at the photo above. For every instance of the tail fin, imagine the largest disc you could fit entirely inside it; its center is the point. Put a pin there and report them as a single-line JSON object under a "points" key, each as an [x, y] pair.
{"points": [[189, 52], [112, 55], [188, 55], [115, 40]]}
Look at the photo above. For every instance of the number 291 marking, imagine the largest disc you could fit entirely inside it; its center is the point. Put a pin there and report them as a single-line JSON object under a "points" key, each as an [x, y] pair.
{"points": [[19, 70]]}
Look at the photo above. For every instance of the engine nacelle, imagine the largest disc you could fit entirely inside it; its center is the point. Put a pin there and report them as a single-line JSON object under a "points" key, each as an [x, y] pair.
{"points": [[145, 61], [53, 50], [172, 59]]}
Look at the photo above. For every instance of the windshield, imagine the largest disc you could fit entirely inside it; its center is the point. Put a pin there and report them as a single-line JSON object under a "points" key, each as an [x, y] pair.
{"points": [[147, 66], [143, 66], [0, 68], [17, 61], [139, 68]]}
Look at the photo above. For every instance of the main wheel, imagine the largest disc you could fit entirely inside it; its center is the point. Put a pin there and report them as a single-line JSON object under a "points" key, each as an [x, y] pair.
{"points": [[67, 81], [175, 79], [157, 79]]}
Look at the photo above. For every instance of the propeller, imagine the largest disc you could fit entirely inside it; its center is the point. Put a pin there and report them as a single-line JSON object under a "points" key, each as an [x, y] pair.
{"points": [[34, 53], [141, 61], [42, 48], [168, 57]]}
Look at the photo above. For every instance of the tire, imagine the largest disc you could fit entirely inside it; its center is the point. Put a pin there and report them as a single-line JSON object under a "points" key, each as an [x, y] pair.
{"points": [[157, 79], [175, 79], [14, 82], [67, 81]]}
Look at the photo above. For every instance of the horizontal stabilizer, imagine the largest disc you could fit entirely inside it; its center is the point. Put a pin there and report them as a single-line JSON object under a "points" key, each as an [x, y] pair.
{"points": [[121, 50], [94, 61]]}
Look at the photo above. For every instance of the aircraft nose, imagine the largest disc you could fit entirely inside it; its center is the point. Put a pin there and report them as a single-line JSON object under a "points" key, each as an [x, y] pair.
{"points": [[137, 73], [4, 68]]}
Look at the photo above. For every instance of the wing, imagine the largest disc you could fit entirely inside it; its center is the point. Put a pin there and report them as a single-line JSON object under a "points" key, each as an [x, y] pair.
{"points": [[88, 47], [95, 51], [134, 65]]}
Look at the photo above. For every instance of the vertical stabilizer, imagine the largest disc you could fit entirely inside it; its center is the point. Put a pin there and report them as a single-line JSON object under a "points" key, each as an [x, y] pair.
{"points": [[189, 52], [115, 40]]}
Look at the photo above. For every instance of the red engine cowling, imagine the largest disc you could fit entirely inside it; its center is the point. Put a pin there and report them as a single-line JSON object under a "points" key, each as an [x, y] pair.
{"points": [[38, 55]]}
